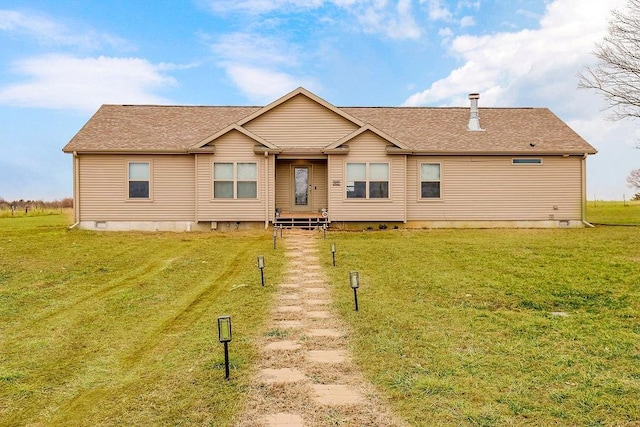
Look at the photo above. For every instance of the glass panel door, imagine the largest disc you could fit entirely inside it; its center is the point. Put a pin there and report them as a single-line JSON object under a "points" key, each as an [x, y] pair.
{"points": [[301, 188]]}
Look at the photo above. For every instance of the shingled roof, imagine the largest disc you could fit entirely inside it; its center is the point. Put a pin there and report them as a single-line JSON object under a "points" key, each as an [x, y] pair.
{"points": [[518, 131]]}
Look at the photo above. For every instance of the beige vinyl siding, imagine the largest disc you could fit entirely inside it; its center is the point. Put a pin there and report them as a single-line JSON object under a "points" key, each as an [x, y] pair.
{"points": [[319, 185], [233, 147], [301, 122], [491, 188], [270, 174], [103, 188], [367, 148], [284, 189], [283, 185]]}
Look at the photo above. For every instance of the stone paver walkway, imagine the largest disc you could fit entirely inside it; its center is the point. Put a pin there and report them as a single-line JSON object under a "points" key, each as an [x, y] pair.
{"points": [[307, 377]]}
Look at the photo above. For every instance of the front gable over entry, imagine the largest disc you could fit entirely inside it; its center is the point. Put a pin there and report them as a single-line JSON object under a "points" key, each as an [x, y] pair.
{"points": [[301, 120], [207, 145], [341, 146]]}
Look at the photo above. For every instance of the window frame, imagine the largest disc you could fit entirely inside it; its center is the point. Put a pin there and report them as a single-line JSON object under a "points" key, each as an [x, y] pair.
{"points": [[128, 180], [235, 180], [420, 181], [367, 181]]}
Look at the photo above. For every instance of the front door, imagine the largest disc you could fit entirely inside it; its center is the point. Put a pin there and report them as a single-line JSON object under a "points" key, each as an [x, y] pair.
{"points": [[301, 189]]}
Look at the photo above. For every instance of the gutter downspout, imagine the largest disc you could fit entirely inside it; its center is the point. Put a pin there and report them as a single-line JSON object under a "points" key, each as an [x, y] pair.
{"points": [[266, 188], [406, 164], [329, 210], [195, 190], [76, 191], [584, 192]]}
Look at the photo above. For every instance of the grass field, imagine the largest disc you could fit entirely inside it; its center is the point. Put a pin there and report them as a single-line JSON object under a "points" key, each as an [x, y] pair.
{"points": [[456, 327], [600, 212], [119, 328], [497, 327]]}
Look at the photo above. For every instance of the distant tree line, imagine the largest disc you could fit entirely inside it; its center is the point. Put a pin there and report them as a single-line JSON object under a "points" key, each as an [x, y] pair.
{"points": [[33, 205]]}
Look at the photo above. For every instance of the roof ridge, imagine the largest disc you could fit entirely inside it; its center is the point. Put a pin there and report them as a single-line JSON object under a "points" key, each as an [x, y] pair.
{"points": [[351, 106]]}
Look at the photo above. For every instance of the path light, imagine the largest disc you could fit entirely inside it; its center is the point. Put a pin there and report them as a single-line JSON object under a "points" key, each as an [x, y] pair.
{"points": [[261, 267], [275, 236], [281, 227], [333, 253], [224, 336], [324, 231], [354, 281]]}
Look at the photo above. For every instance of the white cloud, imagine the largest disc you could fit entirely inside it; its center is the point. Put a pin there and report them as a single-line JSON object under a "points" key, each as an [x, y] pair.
{"points": [[49, 32], [437, 12], [396, 24], [263, 68], [262, 85], [62, 81], [538, 68], [445, 33], [256, 49], [394, 19], [262, 6], [467, 21], [507, 63]]}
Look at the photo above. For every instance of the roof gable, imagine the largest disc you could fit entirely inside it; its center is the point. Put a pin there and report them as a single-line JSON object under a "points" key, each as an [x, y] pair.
{"points": [[300, 91], [233, 127], [301, 123], [367, 128]]}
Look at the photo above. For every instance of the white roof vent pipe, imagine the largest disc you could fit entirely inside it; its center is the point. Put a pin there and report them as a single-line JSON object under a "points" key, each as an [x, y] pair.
{"points": [[474, 120]]}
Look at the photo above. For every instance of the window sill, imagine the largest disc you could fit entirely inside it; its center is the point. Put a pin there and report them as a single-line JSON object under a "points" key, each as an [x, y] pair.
{"points": [[431, 200], [139, 200], [354, 200]]}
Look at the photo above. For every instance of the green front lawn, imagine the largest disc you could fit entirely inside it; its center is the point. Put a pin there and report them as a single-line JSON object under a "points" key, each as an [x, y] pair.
{"points": [[120, 328], [497, 327]]}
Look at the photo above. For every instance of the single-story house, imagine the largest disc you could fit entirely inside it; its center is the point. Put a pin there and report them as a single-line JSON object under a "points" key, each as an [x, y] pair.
{"points": [[301, 158]]}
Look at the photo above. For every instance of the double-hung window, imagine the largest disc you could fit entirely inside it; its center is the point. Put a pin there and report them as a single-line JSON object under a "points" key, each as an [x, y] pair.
{"points": [[367, 180], [139, 180], [430, 181], [235, 180]]}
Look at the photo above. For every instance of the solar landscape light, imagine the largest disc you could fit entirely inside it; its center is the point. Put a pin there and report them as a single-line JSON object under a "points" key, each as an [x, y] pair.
{"points": [[333, 253], [261, 267], [324, 231], [354, 281], [275, 236], [224, 336]]}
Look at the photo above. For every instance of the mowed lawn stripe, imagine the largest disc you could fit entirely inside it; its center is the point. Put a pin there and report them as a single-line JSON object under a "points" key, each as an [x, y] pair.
{"points": [[496, 327], [119, 328]]}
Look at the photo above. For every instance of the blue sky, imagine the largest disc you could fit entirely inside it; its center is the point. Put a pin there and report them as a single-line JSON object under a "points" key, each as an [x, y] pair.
{"points": [[59, 61]]}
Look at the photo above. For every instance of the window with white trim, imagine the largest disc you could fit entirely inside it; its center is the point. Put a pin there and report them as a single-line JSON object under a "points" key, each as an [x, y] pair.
{"points": [[235, 180], [367, 180], [430, 181], [139, 180]]}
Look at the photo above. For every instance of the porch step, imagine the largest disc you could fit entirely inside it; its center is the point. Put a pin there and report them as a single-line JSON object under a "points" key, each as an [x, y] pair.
{"points": [[308, 223]]}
